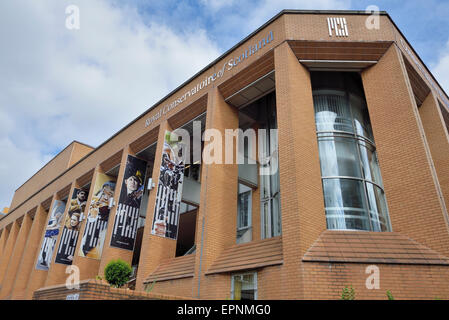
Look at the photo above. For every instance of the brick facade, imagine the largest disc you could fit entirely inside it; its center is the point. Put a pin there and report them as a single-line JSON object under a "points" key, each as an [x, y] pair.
{"points": [[408, 114]]}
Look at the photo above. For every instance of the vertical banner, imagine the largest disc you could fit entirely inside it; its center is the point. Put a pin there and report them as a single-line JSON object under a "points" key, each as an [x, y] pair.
{"points": [[169, 190], [70, 232], [97, 218], [50, 236], [127, 217]]}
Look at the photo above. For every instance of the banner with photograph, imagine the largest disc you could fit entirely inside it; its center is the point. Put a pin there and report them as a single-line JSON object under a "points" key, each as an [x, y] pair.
{"points": [[72, 223], [50, 236], [128, 208], [97, 217], [169, 190]]}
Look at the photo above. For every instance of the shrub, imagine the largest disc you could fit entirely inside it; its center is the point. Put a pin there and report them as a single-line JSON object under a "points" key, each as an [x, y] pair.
{"points": [[390, 295], [348, 293], [117, 273]]}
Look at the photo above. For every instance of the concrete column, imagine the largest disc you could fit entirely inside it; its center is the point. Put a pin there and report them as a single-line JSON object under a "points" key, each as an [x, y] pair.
{"points": [[4, 262], [414, 197], [88, 267], [56, 274], [11, 271], [302, 201], [29, 256], [37, 277], [110, 253], [438, 140], [154, 248], [217, 216]]}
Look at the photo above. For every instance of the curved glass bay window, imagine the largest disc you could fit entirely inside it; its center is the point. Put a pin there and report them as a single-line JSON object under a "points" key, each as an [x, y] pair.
{"points": [[353, 193]]}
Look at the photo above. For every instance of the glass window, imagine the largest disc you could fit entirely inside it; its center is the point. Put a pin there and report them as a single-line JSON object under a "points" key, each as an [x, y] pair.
{"points": [[338, 157], [269, 181], [377, 208], [345, 205], [244, 209], [331, 113], [352, 182], [370, 165], [244, 286]]}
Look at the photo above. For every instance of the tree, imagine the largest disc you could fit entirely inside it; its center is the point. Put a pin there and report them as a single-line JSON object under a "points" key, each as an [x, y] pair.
{"points": [[117, 273]]}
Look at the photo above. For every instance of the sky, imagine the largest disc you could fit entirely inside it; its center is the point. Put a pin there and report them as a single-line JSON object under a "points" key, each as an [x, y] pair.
{"points": [[58, 85]]}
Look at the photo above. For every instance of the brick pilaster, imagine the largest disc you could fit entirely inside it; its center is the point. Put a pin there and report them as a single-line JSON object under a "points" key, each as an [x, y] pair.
{"points": [[110, 253], [217, 215], [154, 248], [28, 260], [16, 255], [6, 257], [302, 202], [414, 197]]}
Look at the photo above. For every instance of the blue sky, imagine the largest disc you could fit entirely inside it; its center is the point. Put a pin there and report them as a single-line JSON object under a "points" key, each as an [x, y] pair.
{"points": [[59, 85]]}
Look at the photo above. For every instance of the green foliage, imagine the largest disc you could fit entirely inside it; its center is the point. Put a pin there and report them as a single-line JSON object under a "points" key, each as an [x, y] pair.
{"points": [[390, 295], [348, 293], [98, 277], [117, 273]]}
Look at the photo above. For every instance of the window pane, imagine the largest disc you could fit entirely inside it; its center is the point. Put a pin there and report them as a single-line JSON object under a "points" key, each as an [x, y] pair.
{"points": [[244, 287], [361, 118], [332, 113], [338, 157], [370, 164], [378, 208], [345, 205], [243, 207]]}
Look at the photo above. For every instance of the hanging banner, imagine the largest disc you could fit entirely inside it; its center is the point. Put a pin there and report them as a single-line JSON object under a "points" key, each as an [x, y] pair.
{"points": [[50, 236], [128, 208], [72, 223], [97, 218], [169, 190]]}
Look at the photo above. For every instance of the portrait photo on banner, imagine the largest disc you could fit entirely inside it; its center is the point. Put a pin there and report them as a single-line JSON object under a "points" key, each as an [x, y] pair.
{"points": [[97, 217], [71, 229], [50, 235], [169, 188], [127, 218]]}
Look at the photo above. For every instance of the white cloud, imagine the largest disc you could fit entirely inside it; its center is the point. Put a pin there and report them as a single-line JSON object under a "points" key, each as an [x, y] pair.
{"points": [[441, 69], [216, 5], [60, 85], [232, 23], [267, 8]]}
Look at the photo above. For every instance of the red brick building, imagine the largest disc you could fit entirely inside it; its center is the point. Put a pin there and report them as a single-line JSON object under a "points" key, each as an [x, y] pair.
{"points": [[356, 192]]}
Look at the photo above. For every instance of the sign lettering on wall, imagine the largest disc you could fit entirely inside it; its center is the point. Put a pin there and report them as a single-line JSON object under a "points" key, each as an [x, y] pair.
{"points": [[247, 53], [338, 25]]}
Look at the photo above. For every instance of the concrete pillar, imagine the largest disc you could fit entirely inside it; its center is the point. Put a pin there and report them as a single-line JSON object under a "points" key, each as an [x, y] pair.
{"points": [[302, 201], [110, 253], [88, 267], [154, 248], [56, 274], [414, 197], [11, 271], [217, 216], [37, 277], [438, 140], [29, 256], [4, 262]]}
